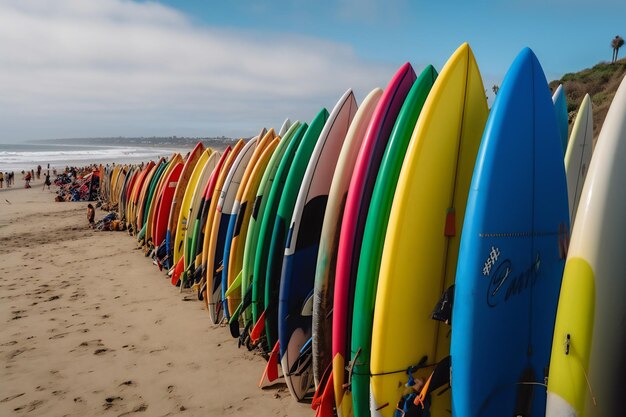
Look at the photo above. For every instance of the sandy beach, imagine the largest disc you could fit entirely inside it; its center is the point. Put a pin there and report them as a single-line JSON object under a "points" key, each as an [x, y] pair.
{"points": [[92, 328]]}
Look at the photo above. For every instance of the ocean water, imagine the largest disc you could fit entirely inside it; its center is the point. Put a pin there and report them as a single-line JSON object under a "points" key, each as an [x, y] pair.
{"points": [[18, 157]]}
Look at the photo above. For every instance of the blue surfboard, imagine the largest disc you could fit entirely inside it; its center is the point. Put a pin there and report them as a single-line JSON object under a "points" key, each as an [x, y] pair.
{"points": [[230, 219], [281, 223], [299, 262], [511, 256], [227, 203]]}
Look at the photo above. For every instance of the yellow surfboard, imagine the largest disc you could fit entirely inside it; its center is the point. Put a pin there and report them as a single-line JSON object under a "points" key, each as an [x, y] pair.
{"points": [[422, 240], [587, 365], [194, 206], [245, 210], [114, 178], [181, 226]]}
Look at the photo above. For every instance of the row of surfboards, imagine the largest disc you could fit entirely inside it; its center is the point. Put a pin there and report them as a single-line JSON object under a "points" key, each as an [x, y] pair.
{"points": [[411, 255]]}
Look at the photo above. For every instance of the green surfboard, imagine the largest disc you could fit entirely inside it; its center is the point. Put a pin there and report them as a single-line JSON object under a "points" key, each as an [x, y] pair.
{"points": [[267, 224], [258, 211], [152, 188], [283, 220], [374, 237]]}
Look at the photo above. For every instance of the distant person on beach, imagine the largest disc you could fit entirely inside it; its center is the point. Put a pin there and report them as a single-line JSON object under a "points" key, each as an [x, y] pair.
{"points": [[91, 213], [27, 179], [54, 172], [46, 182], [2, 179], [38, 171]]}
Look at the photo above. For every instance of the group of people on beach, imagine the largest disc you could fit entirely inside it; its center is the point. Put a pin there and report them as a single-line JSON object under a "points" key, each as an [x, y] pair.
{"points": [[29, 176], [9, 177], [35, 173], [77, 184]]}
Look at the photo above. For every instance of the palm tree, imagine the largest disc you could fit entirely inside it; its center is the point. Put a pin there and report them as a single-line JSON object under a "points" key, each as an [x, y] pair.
{"points": [[616, 43]]}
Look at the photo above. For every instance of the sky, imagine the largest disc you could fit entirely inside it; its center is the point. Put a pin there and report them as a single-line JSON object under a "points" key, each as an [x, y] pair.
{"points": [[102, 68]]}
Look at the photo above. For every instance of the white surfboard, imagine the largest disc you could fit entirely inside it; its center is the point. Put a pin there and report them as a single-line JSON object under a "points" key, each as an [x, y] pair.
{"points": [[578, 154], [587, 364]]}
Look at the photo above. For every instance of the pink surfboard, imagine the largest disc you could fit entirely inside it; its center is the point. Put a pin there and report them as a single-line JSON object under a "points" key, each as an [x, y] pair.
{"points": [[353, 223]]}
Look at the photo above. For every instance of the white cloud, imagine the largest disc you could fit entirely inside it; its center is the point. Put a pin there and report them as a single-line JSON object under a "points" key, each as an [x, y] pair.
{"points": [[114, 67]]}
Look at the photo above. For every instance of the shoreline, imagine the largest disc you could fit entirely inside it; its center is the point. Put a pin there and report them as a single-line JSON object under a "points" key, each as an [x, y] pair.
{"points": [[91, 327]]}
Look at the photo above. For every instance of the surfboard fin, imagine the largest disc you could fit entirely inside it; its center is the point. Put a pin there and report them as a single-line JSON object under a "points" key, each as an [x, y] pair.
{"points": [[177, 271], [304, 359], [235, 285], [244, 338], [270, 374], [443, 308], [258, 329], [197, 274], [307, 306], [202, 290], [234, 319], [439, 377], [324, 398], [233, 322]]}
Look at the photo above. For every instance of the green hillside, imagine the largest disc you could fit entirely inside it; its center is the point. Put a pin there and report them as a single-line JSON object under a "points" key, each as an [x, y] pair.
{"points": [[600, 82]]}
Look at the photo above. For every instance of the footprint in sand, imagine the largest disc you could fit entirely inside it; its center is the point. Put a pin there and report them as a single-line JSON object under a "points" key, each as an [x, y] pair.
{"points": [[11, 397], [90, 343], [16, 352], [32, 406], [137, 409], [111, 401]]}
